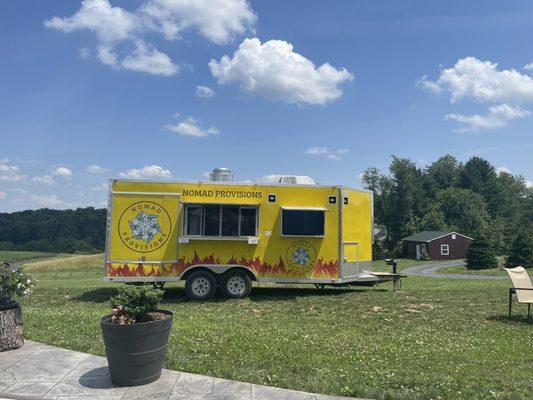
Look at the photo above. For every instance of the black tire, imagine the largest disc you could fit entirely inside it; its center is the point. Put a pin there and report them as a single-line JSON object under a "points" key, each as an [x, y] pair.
{"points": [[235, 284], [201, 285]]}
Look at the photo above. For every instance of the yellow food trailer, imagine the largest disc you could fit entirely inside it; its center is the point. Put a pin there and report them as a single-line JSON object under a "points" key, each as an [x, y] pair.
{"points": [[225, 235]]}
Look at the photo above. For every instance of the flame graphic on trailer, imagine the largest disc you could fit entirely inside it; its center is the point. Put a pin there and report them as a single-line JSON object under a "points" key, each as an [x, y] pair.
{"points": [[262, 269]]}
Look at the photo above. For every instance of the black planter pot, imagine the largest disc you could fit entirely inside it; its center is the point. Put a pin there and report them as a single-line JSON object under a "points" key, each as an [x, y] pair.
{"points": [[135, 352], [8, 305]]}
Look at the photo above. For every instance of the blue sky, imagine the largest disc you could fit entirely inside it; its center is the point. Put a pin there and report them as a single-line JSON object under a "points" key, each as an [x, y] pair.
{"points": [[103, 89]]}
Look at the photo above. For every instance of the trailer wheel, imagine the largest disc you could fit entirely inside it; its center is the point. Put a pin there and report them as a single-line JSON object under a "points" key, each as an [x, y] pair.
{"points": [[201, 285], [235, 284]]}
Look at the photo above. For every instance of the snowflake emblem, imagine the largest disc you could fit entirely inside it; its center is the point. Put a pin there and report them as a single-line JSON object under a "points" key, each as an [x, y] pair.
{"points": [[301, 256], [144, 226]]}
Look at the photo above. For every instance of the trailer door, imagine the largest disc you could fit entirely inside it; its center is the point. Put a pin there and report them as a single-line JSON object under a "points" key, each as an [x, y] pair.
{"points": [[143, 228]]}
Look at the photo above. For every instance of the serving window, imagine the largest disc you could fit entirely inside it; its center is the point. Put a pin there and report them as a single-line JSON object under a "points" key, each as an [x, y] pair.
{"points": [[302, 222], [207, 220]]}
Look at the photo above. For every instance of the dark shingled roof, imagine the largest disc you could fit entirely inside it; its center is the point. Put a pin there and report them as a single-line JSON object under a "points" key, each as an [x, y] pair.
{"points": [[426, 236]]}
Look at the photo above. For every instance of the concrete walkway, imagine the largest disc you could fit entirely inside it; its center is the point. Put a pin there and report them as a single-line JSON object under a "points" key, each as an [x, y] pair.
{"points": [[38, 371], [431, 271]]}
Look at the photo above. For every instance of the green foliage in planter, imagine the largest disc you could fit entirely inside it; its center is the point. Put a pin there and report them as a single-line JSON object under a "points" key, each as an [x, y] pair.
{"points": [[481, 254], [14, 283], [133, 303]]}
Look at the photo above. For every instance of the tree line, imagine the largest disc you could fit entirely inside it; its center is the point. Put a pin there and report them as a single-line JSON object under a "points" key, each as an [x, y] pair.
{"points": [[471, 198], [68, 231]]}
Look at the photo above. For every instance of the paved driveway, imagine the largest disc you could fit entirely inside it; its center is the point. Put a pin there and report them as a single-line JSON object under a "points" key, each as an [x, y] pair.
{"points": [[49, 372], [431, 271]]}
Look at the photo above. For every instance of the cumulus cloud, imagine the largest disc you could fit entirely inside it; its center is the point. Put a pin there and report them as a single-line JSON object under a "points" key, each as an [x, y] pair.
{"points": [[48, 201], [10, 172], [96, 169], [63, 172], [496, 117], [45, 179], [204, 92], [324, 151], [190, 127], [147, 58], [110, 24], [499, 170], [481, 81], [274, 71], [147, 172], [216, 20]]}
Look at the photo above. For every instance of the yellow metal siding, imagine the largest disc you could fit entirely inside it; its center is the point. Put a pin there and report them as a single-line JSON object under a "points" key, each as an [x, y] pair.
{"points": [[356, 226], [271, 257]]}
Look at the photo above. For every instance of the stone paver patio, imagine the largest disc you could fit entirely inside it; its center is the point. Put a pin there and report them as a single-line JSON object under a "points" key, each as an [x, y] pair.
{"points": [[40, 371]]}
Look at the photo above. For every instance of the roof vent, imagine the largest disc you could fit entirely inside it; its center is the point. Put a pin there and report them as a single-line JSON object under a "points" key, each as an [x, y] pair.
{"points": [[221, 175], [296, 180]]}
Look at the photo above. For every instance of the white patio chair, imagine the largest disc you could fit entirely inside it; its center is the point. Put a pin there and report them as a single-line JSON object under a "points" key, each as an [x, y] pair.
{"points": [[522, 287]]}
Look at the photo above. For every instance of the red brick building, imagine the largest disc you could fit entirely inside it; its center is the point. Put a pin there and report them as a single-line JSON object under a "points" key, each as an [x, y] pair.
{"points": [[438, 245]]}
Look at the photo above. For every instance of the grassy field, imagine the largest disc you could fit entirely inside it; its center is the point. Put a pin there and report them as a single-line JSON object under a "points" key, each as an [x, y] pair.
{"points": [[18, 256], [436, 339]]}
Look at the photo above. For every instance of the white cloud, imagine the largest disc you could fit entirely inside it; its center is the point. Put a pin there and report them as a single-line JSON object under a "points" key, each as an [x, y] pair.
{"points": [[324, 151], [190, 127], [3, 195], [98, 188], [10, 172], [216, 20], [481, 81], [317, 151], [96, 169], [48, 201], [204, 92], [63, 172], [274, 71], [107, 55], [528, 67], [499, 170], [148, 171], [45, 179], [496, 117], [146, 58], [110, 24]]}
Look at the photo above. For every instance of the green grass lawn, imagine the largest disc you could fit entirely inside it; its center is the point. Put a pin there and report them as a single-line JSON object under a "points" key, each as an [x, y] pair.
{"points": [[437, 339]]}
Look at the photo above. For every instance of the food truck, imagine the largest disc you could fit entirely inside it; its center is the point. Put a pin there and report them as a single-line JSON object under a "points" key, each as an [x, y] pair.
{"points": [[220, 235]]}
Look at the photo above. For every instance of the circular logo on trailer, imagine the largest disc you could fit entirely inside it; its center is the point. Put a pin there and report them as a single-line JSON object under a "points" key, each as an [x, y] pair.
{"points": [[301, 257], [144, 226]]}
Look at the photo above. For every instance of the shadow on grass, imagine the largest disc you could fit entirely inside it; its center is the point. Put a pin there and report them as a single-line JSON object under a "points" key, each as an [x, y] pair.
{"points": [[521, 319], [288, 293], [98, 295], [177, 294]]}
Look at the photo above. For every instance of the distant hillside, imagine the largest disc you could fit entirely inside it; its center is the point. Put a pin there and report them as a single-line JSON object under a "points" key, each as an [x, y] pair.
{"points": [[57, 231]]}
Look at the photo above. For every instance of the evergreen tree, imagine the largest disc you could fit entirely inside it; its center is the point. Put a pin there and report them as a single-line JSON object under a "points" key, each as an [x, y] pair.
{"points": [[481, 254], [479, 176], [521, 253]]}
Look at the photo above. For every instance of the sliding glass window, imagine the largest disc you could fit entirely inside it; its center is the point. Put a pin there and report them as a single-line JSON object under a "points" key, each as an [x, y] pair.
{"points": [[220, 220]]}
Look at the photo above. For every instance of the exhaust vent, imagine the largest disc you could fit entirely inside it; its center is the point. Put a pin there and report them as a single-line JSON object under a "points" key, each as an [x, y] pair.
{"points": [[221, 175]]}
